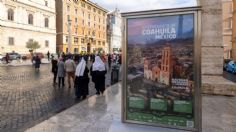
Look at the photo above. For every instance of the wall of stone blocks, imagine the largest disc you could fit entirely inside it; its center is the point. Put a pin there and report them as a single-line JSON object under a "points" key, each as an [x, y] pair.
{"points": [[212, 41], [212, 50]]}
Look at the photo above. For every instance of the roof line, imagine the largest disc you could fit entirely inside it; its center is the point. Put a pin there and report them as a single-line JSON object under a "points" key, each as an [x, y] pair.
{"points": [[95, 4]]}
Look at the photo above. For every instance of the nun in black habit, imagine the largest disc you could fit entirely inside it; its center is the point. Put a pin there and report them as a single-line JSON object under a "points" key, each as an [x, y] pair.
{"points": [[98, 73], [81, 80]]}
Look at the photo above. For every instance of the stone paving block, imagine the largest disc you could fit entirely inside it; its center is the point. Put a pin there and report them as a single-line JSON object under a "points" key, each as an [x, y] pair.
{"points": [[217, 85], [218, 113]]}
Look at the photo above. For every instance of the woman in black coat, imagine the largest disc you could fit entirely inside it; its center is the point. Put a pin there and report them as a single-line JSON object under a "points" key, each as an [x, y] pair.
{"points": [[98, 73], [37, 62], [81, 80]]}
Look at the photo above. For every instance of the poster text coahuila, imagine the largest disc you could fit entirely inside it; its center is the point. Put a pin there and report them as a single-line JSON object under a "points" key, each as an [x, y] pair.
{"points": [[166, 31]]}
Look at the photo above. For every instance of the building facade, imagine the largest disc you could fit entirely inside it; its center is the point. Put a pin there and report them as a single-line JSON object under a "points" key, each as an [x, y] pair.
{"points": [[234, 31], [114, 35], [25, 20], [166, 66], [160, 69], [227, 27], [81, 27]]}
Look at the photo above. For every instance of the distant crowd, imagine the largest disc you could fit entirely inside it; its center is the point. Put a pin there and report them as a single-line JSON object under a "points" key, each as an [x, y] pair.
{"points": [[75, 68]]}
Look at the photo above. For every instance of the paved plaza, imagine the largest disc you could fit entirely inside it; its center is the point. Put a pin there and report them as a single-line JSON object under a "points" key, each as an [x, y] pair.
{"points": [[103, 114], [28, 97]]}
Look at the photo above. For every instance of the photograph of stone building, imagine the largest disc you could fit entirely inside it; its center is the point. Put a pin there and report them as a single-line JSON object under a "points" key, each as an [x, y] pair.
{"points": [[160, 68], [165, 68]]}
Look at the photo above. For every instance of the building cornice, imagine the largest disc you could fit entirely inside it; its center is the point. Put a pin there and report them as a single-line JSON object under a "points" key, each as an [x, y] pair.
{"points": [[31, 30], [96, 5], [25, 5], [38, 31], [81, 36], [22, 24], [227, 34], [223, 1], [90, 3]]}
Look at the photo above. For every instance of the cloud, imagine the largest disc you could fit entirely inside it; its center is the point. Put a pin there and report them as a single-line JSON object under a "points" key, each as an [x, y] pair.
{"points": [[139, 5]]}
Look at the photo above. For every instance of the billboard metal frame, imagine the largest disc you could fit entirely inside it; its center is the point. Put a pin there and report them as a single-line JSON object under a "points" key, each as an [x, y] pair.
{"points": [[196, 11]]}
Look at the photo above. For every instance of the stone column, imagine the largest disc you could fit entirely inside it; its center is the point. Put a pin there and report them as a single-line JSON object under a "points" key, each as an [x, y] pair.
{"points": [[212, 41], [212, 50]]}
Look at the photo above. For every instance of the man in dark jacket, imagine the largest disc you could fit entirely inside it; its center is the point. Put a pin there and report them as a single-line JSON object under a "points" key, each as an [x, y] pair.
{"points": [[48, 54], [109, 60], [7, 58], [54, 69]]}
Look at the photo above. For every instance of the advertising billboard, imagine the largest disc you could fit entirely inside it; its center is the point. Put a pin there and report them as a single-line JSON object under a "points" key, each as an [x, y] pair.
{"points": [[162, 81]]}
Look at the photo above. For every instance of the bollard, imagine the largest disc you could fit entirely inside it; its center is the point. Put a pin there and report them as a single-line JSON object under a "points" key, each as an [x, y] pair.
{"points": [[115, 74]]}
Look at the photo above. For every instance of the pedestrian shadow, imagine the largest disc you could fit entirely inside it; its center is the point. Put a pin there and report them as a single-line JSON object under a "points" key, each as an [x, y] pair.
{"points": [[37, 74]]}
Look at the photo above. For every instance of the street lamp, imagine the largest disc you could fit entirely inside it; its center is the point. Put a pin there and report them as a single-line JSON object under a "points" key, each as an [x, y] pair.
{"points": [[69, 36], [86, 39]]}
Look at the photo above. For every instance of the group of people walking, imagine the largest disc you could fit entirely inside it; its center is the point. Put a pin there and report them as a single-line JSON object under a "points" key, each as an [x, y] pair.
{"points": [[78, 73]]}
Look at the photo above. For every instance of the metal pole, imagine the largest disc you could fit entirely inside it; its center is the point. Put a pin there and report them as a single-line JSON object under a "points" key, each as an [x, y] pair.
{"points": [[86, 43], [69, 36]]}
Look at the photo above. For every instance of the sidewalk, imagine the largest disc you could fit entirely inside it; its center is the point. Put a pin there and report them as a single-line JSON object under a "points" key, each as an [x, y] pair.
{"points": [[103, 114], [23, 63]]}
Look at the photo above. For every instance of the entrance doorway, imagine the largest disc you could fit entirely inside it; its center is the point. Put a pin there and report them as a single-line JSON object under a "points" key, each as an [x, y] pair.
{"points": [[88, 48]]}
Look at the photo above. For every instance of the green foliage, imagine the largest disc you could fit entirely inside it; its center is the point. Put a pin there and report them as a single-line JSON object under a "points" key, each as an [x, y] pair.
{"points": [[100, 50], [32, 45]]}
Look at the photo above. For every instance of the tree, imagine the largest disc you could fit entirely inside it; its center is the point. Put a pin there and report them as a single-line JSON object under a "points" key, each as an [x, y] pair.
{"points": [[100, 50], [32, 45]]}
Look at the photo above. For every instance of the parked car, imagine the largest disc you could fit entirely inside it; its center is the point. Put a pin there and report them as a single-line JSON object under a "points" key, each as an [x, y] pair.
{"points": [[231, 67], [226, 61], [12, 56]]}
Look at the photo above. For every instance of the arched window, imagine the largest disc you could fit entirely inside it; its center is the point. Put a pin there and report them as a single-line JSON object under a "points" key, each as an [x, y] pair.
{"points": [[10, 14], [46, 21], [30, 19]]}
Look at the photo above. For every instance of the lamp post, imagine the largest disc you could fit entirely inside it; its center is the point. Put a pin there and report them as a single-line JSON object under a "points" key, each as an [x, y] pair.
{"points": [[86, 42], [69, 36], [86, 38]]}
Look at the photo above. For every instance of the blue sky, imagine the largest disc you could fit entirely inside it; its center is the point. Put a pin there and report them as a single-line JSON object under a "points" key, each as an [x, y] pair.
{"points": [[136, 26], [138, 5]]}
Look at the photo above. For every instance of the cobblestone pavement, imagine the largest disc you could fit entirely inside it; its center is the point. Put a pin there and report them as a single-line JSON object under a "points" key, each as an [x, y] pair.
{"points": [[28, 97]]}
